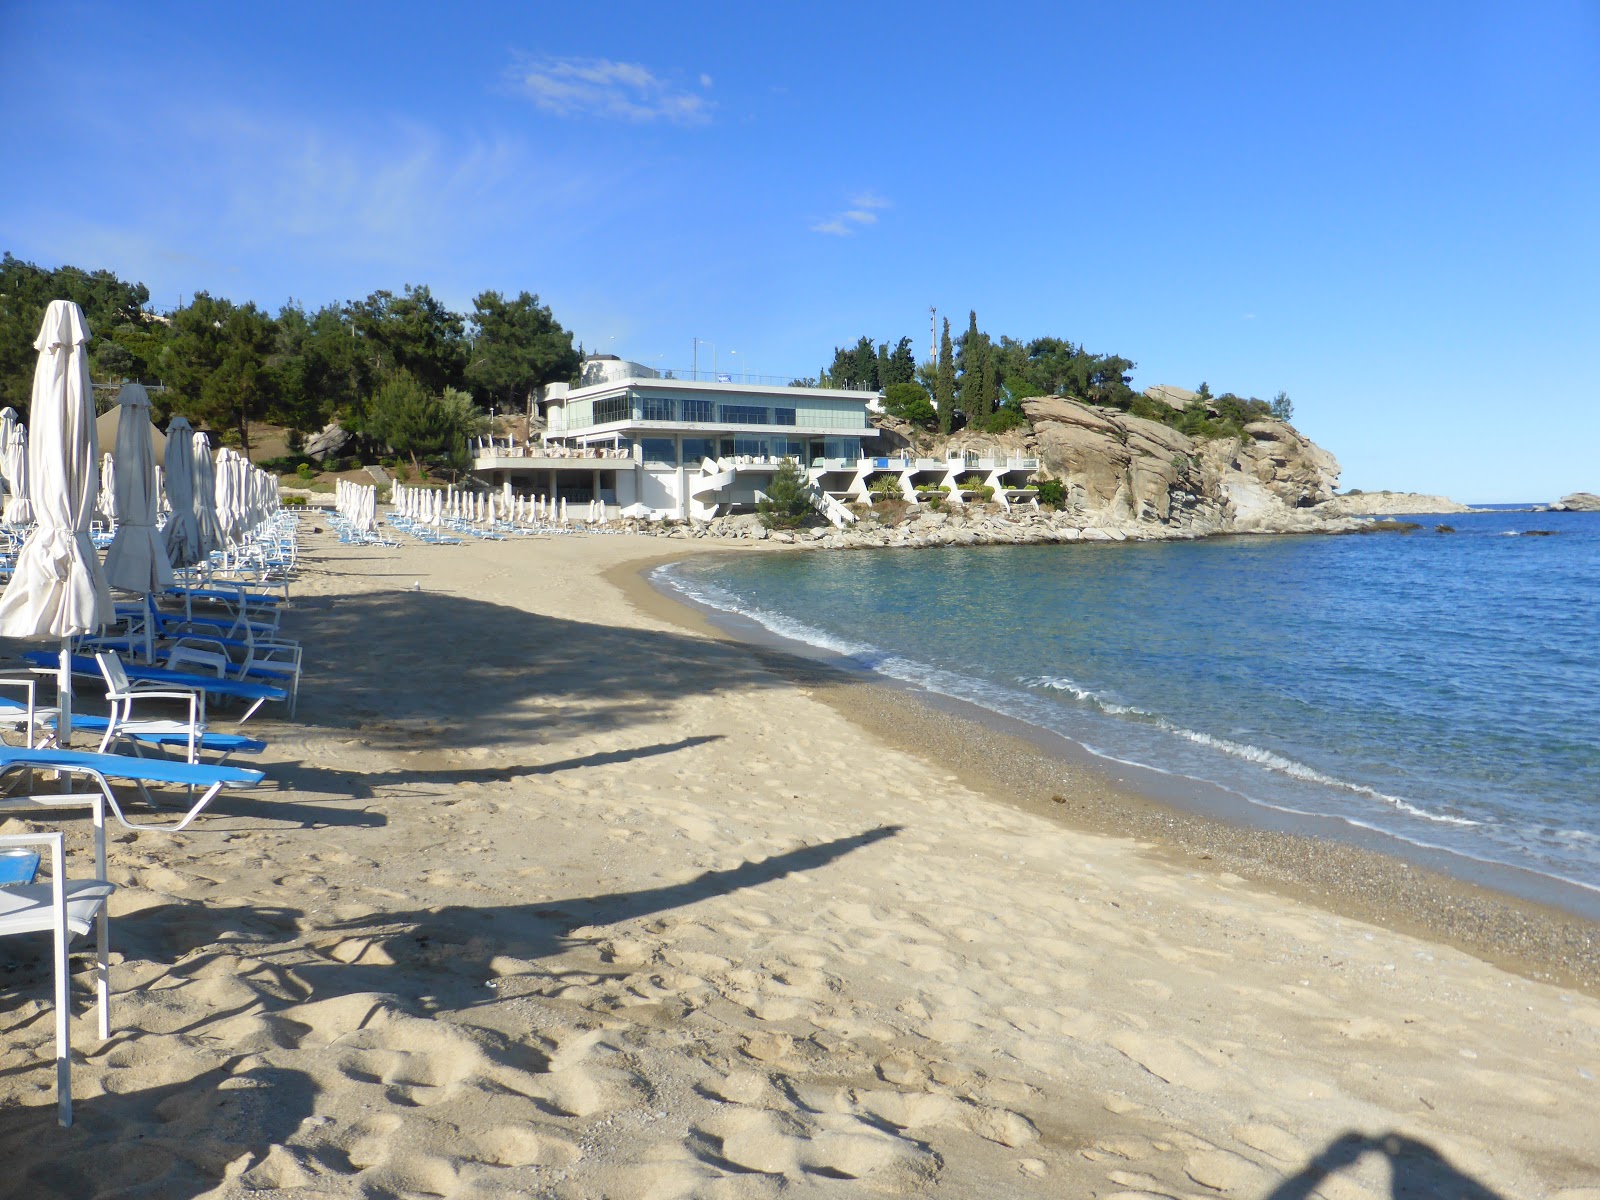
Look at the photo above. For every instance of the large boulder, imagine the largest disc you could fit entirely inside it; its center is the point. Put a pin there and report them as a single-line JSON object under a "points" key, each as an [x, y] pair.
{"points": [[333, 438], [1577, 502]]}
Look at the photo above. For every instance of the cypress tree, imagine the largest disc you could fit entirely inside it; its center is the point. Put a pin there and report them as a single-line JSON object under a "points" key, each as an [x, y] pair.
{"points": [[945, 385], [987, 385], [967, 387]]}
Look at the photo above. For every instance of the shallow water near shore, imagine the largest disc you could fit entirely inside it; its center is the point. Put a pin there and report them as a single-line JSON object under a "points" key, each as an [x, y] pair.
{"points": [[1438, 688]]}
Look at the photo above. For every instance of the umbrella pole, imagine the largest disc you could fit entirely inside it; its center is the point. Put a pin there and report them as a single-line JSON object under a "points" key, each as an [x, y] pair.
{"points": [[64, 695]]}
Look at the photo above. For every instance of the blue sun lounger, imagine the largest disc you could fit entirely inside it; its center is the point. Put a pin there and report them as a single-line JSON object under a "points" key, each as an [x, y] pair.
{"points": [[211, 685], [102, 768]]}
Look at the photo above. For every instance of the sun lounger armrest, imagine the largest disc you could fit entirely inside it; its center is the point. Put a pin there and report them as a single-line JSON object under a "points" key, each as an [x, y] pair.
{"points": [[31, 686]]}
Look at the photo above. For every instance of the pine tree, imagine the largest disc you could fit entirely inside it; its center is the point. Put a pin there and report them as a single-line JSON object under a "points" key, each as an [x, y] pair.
{"points": [[945, 388]]}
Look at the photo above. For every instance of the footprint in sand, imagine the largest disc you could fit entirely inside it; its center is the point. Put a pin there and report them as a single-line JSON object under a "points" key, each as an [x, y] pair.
{"points": [[1169, 1061], [525, 1146]]}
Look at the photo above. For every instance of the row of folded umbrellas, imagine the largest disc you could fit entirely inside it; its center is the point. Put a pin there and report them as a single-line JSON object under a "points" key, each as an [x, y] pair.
{"points": [[437, 505], [49, 466]]}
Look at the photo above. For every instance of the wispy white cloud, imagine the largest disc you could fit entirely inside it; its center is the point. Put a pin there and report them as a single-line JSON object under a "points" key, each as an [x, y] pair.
{"points": [[863, 211], [598, 87]]}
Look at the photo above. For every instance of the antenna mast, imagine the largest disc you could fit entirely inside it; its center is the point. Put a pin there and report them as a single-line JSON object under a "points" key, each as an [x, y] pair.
{"points": [[933, 333]]}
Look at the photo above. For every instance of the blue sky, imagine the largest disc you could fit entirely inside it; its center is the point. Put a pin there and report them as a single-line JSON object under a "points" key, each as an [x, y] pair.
{"points": [[1389, 211]]}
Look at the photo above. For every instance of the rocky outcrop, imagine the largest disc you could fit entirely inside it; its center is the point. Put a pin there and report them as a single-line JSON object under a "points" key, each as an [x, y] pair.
{"points": [[333, 438], [1123, 470], [916, 528], [1373, 504], [1577, 502]]}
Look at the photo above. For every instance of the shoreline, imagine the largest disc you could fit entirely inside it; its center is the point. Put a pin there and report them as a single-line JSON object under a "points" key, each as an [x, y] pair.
{"points": [[1047, 775]]}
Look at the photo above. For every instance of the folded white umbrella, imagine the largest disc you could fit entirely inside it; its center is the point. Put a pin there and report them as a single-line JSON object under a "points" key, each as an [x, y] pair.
{"points": [[106, 501], [185, 547], [137, 560], [9, 420], [205, 495], [58, 589], [19, 507]]}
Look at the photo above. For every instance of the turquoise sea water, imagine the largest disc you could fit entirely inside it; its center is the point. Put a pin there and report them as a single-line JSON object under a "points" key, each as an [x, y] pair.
{"points": [[1440, 688]]}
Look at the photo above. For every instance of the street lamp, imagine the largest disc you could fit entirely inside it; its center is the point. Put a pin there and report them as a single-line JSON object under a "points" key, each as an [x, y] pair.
{"points": [[698, 342], [742, 365]]}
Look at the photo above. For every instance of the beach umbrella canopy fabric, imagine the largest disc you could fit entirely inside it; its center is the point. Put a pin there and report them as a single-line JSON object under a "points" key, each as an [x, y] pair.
{"points": [[137, 560], [205, 495], [182, 534], [19, 508], [9, 420], [107, 424], [58, 588], [106, 499]]}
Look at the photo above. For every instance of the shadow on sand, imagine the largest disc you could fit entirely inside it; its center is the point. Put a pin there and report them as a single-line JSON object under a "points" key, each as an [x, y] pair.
{"points": [[1416, 1170], [513, 676], [364, 785], [173, 1140]]}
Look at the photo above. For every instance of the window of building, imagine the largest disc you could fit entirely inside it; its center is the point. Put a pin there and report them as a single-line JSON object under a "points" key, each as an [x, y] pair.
{"points": [[659, 451], [697, 449], [698, 411], [783, 416], [848, 449], [659, 408], [610, 408], [745, 414]]}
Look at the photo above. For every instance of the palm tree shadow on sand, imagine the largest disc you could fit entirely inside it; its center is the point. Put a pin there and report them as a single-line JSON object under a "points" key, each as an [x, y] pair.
{"points": [[1416, 1170]]}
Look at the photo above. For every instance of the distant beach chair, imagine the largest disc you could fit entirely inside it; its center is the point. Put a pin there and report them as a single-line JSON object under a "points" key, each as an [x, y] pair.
{"points": [[64, 908]]}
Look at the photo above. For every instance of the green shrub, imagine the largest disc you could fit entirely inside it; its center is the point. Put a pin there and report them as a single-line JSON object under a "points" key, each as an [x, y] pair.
{"points": [[1003, 418], [1052, 493], [886, 487], [786, 503], [910, 402]]}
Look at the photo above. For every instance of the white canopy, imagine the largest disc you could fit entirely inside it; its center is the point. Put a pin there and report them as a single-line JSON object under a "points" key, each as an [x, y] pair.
{"points": [[19, 508], [205, 495], [106, 498], [58, 588], [137, 560]]}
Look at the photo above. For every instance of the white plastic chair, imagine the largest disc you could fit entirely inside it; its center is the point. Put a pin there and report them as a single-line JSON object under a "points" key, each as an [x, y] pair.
{"points": [[64, 908]]}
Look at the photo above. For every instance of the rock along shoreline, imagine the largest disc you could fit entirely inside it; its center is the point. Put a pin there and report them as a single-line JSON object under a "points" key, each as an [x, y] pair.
{"points": [[929, 529]]}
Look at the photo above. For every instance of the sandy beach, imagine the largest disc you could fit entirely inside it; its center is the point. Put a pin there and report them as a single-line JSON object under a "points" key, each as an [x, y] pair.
{"points": [[560, 892]]}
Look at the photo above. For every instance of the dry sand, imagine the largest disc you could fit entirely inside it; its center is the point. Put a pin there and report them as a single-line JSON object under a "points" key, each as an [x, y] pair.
{"points": [[560, 897]]}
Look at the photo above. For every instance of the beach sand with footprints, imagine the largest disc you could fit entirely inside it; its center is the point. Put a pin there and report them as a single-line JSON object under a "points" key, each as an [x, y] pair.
{"points": [[558, 893]]}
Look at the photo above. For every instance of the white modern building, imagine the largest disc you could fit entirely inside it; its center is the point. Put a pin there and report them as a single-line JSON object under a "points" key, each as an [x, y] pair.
{"points": [[651, 445], [647, 444]]}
